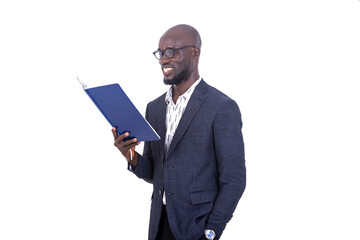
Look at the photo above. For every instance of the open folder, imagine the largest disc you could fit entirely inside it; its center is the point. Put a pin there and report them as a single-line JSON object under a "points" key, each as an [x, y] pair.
{"points": [[121, 113]]}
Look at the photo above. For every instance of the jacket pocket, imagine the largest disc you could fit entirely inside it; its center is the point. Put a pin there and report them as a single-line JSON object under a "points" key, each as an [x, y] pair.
{"points": [[203, 197]]}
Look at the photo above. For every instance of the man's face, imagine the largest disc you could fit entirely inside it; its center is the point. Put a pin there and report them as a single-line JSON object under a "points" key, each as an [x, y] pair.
{"points": [[176, 69]]}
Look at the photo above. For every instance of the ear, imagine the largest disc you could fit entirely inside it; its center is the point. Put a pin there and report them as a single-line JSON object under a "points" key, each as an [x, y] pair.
{"points": [[196, 52]]}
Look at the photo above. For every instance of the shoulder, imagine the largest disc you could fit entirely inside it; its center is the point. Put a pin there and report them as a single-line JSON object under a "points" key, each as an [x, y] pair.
{"points": [[225, 110], [214, 92], [218, 98], [157, 102]]}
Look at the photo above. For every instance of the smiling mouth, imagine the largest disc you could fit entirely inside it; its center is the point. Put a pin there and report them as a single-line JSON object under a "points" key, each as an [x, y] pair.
{"points": [[167, 70]]}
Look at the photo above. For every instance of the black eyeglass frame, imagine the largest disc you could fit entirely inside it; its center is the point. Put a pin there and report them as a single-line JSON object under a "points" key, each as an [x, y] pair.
{"points": [[163, 52]]}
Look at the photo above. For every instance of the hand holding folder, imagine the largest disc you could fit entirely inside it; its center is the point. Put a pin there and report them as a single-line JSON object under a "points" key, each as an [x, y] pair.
{"points": [[127, 148]]}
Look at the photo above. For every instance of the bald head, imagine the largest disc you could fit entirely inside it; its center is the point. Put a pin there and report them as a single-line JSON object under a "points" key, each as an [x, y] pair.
{"points": [[187, 33]]}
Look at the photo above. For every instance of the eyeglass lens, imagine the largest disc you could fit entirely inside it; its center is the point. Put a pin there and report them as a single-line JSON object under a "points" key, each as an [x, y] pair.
{"points": [[169, 53]]}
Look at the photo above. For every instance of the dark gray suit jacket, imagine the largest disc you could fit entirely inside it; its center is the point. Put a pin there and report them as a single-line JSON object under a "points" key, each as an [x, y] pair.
{"points": [[204, 171]]}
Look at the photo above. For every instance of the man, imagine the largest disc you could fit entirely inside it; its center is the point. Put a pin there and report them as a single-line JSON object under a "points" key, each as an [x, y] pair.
{"points": [[198, 167]]}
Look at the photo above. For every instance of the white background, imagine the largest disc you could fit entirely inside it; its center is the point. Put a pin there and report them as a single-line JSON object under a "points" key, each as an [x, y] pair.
{"points": [[292, 66]]}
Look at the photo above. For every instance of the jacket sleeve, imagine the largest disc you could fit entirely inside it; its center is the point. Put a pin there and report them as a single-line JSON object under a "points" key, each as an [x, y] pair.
{"points": [[144, 169], [229, 149]]}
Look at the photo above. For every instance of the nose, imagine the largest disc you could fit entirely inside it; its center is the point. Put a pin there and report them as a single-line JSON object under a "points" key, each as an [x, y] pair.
{"points": [[164, 60]]}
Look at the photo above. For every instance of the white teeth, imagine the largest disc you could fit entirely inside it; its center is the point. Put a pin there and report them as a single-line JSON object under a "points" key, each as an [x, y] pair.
{"points": [[167, 69]]}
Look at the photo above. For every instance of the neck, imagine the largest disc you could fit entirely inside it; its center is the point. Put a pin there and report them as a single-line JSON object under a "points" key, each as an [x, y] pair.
{"points": [[181, 88]]}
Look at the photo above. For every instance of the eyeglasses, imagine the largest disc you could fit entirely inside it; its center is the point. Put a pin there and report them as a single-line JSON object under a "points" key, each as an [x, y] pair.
{"points": [[169, 52]]}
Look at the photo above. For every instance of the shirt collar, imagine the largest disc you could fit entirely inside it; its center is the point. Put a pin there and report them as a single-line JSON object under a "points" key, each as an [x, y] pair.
{"points": [[187, 94]]}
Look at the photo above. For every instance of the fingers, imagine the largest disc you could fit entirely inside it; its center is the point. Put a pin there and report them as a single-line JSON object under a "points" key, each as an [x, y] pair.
{"points": [[120, 139], [127, 148], [113, 130], [127, 144], [124, 146]]}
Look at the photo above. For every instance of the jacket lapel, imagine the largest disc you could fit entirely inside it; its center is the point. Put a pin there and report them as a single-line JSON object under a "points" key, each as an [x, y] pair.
{"points": [[161, 130], [196, 100]]}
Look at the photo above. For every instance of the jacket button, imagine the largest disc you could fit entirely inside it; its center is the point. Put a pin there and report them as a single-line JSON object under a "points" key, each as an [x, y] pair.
{"points": [[159, 192]]}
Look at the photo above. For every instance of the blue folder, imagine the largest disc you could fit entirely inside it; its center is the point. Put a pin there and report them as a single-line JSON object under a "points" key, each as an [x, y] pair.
{"points": [[121, 113]]}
